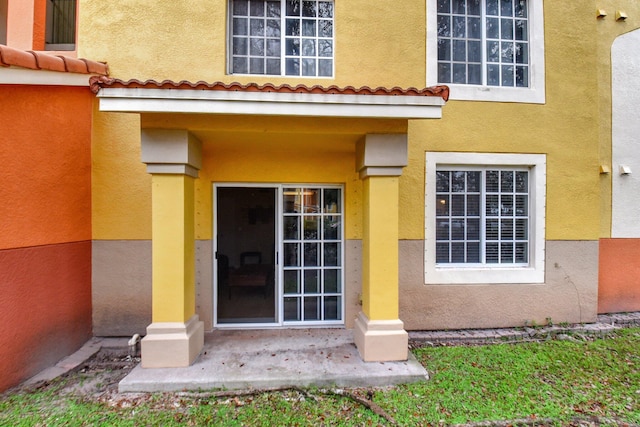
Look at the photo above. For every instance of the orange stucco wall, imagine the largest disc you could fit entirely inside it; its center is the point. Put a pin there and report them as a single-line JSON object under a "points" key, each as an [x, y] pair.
{"points": [[46, 307], [45, 227], [45, 176], [619, 275]]}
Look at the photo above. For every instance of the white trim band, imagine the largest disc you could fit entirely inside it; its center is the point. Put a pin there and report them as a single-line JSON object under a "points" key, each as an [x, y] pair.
{"points": [[269, 103], [24, 76]]}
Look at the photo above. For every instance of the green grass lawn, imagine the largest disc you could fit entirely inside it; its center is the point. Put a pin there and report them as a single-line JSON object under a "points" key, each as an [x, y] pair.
{"points": [[551, 382]]}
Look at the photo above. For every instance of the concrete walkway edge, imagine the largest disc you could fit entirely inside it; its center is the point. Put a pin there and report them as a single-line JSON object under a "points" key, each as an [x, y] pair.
{"points": [[69, 363], [606, 324]]}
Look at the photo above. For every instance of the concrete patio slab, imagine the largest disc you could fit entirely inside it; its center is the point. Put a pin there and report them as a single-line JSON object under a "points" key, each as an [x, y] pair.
{"points": [[238, 359]]}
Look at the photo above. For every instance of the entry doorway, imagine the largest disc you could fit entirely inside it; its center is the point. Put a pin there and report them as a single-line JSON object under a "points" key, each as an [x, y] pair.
{"points": [[246, 255], [278, 255]]}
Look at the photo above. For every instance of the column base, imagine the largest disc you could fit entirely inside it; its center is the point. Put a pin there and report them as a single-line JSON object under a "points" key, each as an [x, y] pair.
{"points": [[172, 344], [381, 340]]}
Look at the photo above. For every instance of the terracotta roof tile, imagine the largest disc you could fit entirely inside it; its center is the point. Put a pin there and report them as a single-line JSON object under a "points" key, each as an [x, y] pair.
{"points": [[49, 62], [94, 67], [42, 61], [74, 66], [20, 58], [97, 83]]}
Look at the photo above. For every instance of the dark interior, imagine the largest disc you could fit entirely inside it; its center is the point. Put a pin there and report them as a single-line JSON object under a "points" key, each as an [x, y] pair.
{"points": [[246, 254]]}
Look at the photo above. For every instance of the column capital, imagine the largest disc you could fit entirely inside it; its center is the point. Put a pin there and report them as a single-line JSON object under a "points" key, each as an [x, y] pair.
{"points": [[381, 155], [171, 151]]}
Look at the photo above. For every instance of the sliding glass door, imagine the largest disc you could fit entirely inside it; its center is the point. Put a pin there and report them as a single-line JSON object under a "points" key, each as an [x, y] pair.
{"points": [[312, 248], [278, 255]]}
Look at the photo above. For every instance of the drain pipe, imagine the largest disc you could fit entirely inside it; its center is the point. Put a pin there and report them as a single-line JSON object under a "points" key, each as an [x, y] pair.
{"points": [[133, 345]]}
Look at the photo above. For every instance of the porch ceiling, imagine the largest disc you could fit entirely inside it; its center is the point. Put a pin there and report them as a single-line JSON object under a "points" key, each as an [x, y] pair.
{"points": [[268, 100]]}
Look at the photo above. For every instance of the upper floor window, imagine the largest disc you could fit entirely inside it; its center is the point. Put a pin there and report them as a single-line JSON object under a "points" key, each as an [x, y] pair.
{"points": [[487, 49], [61, 25], [288, 37]]}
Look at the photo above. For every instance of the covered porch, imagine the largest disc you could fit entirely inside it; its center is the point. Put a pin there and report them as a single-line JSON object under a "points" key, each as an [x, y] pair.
{"points": [[191, 132]]}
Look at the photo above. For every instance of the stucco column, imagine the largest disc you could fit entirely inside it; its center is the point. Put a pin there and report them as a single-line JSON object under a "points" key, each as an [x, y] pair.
{"points": [[176, 336], [379, 334]]}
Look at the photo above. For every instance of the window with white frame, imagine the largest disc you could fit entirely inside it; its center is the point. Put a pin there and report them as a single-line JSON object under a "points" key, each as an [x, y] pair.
{"points": [[484, 218], [487, 49], [287, 37]]}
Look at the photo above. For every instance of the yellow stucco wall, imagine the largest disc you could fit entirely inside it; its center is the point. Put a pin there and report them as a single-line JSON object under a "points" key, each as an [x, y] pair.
{"points": [[120, 185], [572, 162], [607, 30], [281, 158], [377, 44], [565, 128], [235, 149]]}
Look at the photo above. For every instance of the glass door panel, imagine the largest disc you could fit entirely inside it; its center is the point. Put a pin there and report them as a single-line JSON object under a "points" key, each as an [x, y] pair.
{"points": [[312, 255]]}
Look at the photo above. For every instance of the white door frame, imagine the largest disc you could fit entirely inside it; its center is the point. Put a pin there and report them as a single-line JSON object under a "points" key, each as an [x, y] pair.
{"points": [[279, 270]]}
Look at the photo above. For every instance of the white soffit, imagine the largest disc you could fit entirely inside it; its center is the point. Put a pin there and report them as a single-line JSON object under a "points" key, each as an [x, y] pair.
{"points": [[25, 76], [137, 100]]}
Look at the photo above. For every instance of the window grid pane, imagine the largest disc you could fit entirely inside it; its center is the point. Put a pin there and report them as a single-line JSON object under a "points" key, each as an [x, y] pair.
{"points": [[459, 41], [256, 36], [289, 37], [457, 217], [309, 37], [506, 200], [312, 238], [507, 44], [482, 217], [501, 26]]}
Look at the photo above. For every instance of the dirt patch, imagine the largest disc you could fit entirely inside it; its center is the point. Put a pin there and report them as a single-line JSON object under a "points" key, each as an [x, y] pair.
{"points": [[95, 378], [100, 374]]}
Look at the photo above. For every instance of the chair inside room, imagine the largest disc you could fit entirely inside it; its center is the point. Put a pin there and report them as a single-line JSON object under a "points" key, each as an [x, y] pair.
{"points": [[251, 273]]}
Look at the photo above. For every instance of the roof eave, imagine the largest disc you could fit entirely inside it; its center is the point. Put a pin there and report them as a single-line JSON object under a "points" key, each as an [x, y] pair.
{"points": [[143, 100], [28, 67], [25, 76]]}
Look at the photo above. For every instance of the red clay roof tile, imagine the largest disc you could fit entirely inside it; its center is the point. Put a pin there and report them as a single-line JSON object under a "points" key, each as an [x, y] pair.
{"points": [[48, 62], [42, 61], [20, 58], [74, 66], [103, 82], [94, 67]]}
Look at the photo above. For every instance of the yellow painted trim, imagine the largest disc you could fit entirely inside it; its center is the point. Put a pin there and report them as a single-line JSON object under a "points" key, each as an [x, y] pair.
{"points": [[380, 248], [173, 296]]}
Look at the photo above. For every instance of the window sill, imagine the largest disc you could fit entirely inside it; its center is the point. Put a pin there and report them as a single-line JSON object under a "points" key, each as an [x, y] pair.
{"points": [[496, 94], [484, 275], [282, 76], [64, 47]]}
